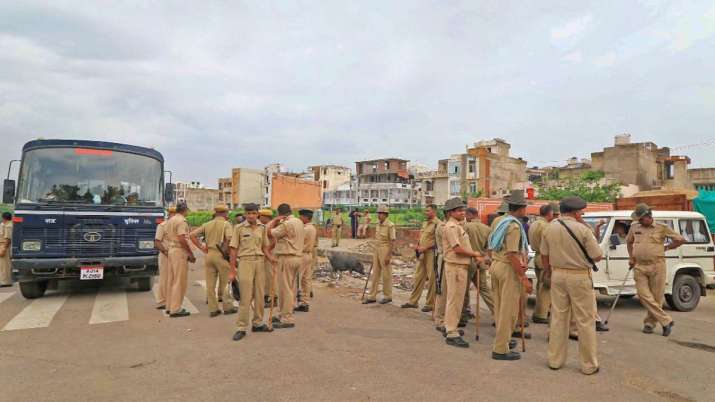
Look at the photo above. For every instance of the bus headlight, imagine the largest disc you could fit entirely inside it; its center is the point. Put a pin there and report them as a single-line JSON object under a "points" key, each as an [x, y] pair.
{"points": [[146, 244], [31, 245]]}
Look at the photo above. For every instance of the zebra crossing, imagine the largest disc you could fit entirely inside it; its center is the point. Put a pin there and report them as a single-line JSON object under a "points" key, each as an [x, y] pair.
{"points": [[108, 306]]}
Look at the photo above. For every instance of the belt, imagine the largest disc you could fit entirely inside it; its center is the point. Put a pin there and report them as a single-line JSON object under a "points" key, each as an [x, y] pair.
{"points": [[251, 257], [573, 271], [288, 255]]}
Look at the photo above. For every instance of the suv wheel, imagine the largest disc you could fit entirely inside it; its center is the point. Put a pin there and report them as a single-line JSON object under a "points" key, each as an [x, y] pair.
{"points": [[686, 293], [33, 290]]}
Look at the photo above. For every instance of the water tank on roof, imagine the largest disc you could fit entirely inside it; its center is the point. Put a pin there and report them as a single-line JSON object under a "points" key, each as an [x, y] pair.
{"points": [[623, 139]]}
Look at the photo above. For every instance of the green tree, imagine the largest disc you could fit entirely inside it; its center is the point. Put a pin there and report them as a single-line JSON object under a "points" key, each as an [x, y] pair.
{"points": [[585, 187]]}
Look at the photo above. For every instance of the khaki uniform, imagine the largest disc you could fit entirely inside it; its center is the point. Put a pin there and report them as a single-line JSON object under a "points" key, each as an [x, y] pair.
{"points": [[176, 227], [440, 301], [650, 271], [507, 288], [249, 241], [364, 224], [385, 234], [308, 261], [216, 268], [517, 327], [5, 248], [571, 292], [269, 275], [337, 228], [290, 237], [543, 289], [478, 238], [424, 272], [161, 237], [456, 270]]}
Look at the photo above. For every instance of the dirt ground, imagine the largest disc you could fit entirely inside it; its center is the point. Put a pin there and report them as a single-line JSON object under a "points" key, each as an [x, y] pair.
{"points": [[340, 350]]}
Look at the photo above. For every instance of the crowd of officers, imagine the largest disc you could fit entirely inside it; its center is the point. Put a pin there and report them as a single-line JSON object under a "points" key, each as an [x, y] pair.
{"points": [[462, 250], [271, 258]]}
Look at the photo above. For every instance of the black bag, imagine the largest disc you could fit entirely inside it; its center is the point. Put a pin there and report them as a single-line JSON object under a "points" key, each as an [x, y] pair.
{"points": [[583, 249], [235, 291]]}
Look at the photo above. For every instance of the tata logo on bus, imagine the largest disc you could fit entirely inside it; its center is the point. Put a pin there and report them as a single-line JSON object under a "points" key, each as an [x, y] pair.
{"points": [[131, 221], [92, 237]]}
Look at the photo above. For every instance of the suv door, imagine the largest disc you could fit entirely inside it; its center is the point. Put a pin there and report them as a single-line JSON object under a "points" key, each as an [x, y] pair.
{"points": [[617, 257], [694, 257]]}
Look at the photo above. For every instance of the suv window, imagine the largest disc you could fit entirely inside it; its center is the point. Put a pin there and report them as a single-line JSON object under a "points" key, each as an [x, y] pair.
{"points": [[694, 231]]}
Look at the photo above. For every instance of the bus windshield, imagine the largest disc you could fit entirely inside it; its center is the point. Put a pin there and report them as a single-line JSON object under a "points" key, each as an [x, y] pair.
{"points": [[89, 176]]}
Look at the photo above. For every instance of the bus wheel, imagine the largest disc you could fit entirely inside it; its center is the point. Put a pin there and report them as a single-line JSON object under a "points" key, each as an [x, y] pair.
{"points": [[144, 284], [33, 290]]}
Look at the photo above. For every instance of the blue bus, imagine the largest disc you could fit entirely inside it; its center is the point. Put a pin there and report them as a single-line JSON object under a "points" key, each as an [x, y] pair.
{"points": [[85, 210]]}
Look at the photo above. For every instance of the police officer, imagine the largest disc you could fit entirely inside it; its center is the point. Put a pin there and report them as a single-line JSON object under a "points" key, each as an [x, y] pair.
{"points": [[385, 236], [248, 249], [5, 248], [458, 255], [337, 221], [161, 244], [543, 292], [180, 254], [264, 216], [424, 273], [289, 233], [478, 238], [217, 235], [646, 249], [508, 245], [571, 286], [306, 268]]}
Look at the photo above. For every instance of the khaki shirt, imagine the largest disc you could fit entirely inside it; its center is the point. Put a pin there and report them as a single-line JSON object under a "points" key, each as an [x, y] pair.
{"points": [[512, 243], [365, 219], [249, 240], [337, 219], [478, 235], [427, 233], [455, 235], [385, 233], [176, 227], [214, 232], [536, 234], [160, 235], [439, 237], [6, 232], [649, 242], [290, 237], [311, 238], [561, 248]]}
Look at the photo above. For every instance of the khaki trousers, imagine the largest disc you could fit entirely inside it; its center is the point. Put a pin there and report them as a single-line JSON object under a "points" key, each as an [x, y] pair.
{"points": [[650, 285], [5, 269], [288, 267], [440, 300], [381, 272], [572, 297], [163, 278], [362, 231], [178, 273], [251, 274], [543, 295], [457, 282], [306, 278], [424, 275], [507, 291], [337, 234], [268, 277], [216, 269], [485, 291]]}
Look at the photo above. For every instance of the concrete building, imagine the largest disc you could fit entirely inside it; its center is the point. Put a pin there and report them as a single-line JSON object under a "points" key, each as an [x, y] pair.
{"points": [[245, 186], [385, 182], [345, 195], [330, 177], [702, 178], [432, 187], [296, 192], [196, 197], [225, 189], [496, 171]]}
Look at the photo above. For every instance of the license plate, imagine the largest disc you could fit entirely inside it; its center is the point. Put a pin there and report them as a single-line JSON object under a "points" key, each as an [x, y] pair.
{"points": [[91, 273]]}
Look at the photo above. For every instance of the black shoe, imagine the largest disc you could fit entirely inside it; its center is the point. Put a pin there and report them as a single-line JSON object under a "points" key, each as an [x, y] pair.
{"points": [[304, 308], [506, 356], [517, 334], [539, 320], [444, 333], [214, 313], [573, 337], [458, 342], [385, 301], [668, 328], [601, 327], [162, 307], [648, 329], [426, 309], [311, 294], [230, 311], [512, 344], [468, 315], [180, 313], [220, 300], [261, 328], [282, 325], [239, 335], [409, 305], [5, 286], [368, 301], [462, 324], [276, 320]]}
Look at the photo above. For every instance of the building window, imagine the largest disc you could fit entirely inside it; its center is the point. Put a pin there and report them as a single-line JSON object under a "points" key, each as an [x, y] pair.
{"points": [[472, 187], [325, 184], [471, 166]]}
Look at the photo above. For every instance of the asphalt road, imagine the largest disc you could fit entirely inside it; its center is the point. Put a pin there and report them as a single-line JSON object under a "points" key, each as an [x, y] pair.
{"points": [[83, 343]]}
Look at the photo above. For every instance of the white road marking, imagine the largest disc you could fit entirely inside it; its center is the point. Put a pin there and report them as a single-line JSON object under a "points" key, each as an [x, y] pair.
{"points": [[109, 306], [38, 314], [5, 296]]}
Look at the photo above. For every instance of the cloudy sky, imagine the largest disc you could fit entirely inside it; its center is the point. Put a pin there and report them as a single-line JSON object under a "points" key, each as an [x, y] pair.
{"points": [[218, 84]]}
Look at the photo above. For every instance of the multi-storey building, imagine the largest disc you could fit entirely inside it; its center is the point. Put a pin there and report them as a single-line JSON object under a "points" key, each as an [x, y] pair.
{"points": [[385, 182], [330, 177]]}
